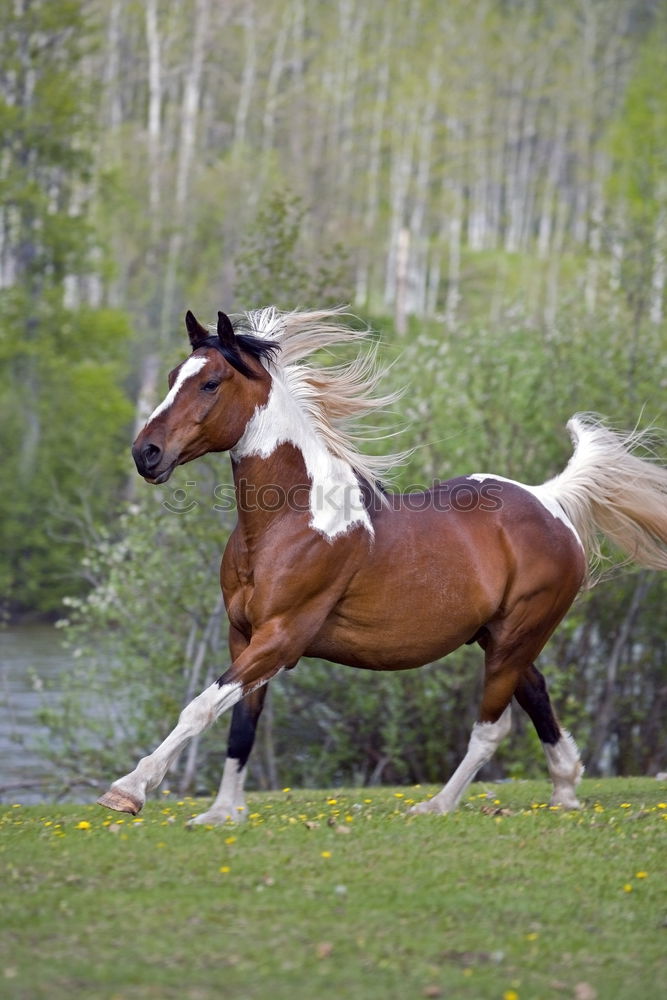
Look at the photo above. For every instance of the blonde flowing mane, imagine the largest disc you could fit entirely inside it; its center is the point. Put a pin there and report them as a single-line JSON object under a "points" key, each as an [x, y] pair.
{"points": [[335, 397]]}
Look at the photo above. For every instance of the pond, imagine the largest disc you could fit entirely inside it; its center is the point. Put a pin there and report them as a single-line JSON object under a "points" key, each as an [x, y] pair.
{"points": [[31, 661]]}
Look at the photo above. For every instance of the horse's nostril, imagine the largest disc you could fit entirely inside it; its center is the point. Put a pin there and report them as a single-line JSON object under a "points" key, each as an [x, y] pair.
{"points": [[151, 454]]}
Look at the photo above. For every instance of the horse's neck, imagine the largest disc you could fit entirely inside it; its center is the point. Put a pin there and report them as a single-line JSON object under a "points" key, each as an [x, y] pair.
{"points": [[283, 464]]}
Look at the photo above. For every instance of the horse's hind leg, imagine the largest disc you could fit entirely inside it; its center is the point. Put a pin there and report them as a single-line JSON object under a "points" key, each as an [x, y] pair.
{"points": [[229, 803], [495, 722], [563, 761], [508, 659], [482, 745]]}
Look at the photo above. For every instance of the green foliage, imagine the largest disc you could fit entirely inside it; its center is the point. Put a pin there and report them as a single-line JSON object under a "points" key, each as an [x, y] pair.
{"points": [[361, 121], [62, 409], [274, 266]]}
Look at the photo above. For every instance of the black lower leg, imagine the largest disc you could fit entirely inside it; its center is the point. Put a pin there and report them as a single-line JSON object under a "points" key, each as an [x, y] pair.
{"points": [[245, 716], [532, 695]]}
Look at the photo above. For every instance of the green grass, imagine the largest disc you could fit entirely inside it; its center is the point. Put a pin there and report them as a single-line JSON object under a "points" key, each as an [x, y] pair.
{"points": [[341, 895]]}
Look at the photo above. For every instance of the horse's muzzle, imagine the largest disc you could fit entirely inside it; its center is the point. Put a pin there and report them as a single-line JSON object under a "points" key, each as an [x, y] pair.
{"points": [[148, 457]]}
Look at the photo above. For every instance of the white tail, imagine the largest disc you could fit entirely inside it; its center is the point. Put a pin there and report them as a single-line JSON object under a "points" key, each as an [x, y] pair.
{"points": [[608, 490]]}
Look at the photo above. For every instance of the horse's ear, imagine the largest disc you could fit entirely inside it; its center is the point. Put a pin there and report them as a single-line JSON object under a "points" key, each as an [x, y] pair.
{"points": [[196, 332], [226, 334]]}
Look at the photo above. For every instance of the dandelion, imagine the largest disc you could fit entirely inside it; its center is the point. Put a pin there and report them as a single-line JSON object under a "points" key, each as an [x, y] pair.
{"points": [[625, 805], [533, 936], [325, 854], [230, 840], [510, 995], [627, 887], [287, 789], [83, 825], [332, 802], [399, 795], [641, 874], [224, 869]]}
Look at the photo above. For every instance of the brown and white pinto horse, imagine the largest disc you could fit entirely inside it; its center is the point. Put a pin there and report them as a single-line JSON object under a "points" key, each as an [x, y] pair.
{"points": [[324, 563]]}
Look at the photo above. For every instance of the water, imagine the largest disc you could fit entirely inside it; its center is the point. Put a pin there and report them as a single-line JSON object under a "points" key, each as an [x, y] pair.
{"points": [[30, 656]]}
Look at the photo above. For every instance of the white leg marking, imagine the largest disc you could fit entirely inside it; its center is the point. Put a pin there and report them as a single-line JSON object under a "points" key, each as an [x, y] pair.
{"points": [[484, 741], [194, 719], [230, 800], [565, 770]]}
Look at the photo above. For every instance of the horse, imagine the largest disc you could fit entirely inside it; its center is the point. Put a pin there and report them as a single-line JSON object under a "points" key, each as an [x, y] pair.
{"points": [[326, 562]]}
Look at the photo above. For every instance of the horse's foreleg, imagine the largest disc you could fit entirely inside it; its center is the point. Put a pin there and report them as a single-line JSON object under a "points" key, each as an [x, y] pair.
{"points": [[271, 648], [229, 803], [563, 760], [128, 794]]}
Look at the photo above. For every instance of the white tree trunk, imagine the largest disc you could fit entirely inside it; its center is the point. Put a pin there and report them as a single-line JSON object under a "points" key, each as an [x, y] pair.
{"points": [[186, 147], [249, 72], [656, 308]]}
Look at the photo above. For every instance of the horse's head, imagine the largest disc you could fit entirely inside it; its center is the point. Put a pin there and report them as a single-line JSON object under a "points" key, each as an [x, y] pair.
{"points": [[212, 396]]}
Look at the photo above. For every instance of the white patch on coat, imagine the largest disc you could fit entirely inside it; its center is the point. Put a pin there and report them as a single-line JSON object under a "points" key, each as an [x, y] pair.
{"points": [[187, 370], [540, 493], [336, 501]]}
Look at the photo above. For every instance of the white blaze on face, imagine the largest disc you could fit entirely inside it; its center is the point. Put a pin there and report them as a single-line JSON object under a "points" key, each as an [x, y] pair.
{"points": [[187, 370]]}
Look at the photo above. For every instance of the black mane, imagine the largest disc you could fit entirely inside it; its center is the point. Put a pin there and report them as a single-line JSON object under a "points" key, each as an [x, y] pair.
{"points": [[257, 347]]}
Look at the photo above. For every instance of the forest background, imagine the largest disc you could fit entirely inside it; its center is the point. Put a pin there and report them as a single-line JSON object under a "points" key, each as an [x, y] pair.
{"points": [[484, 183]]}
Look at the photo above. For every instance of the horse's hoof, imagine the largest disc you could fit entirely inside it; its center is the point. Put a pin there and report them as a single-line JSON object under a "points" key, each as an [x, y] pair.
{"points": [[219, 817], [120, 801], [428, 806], [570, 802]]}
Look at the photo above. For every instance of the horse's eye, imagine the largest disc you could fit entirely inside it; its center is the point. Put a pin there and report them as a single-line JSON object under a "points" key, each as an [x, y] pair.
{"points": [[210, 386]]}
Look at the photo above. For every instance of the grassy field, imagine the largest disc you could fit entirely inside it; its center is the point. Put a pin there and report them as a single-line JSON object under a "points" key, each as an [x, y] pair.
{"points": [[341, 895]]}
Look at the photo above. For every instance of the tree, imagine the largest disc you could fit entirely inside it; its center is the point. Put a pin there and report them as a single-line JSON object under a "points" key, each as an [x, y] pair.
{"points": [[60, 405]]}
